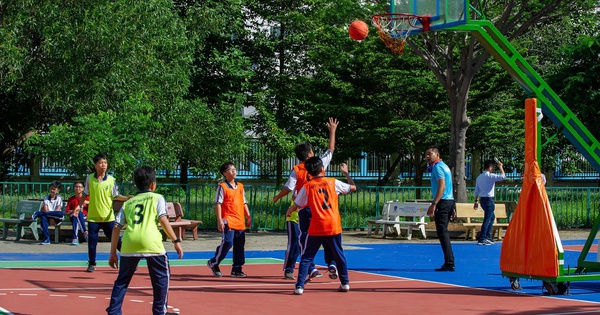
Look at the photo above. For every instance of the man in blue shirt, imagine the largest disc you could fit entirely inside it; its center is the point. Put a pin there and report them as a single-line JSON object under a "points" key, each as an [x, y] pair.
{"points": [[484, 190], [442, 208]]}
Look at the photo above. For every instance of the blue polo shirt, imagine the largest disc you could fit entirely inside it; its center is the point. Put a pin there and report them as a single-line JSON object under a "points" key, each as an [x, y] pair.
{"points": [[441, 170]]}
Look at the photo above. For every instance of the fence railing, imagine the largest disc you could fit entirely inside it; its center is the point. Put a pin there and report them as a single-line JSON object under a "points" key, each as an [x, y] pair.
{"points": [[259, 163], [573, 207]]}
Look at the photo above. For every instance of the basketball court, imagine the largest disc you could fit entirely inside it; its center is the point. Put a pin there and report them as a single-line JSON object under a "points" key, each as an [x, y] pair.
{"points": [[393, 277]]}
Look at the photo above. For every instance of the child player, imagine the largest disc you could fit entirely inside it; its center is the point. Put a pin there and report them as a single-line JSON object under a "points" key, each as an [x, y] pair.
{"points": [[298, 222], [142, 239], [231, 209], [321, 195]]}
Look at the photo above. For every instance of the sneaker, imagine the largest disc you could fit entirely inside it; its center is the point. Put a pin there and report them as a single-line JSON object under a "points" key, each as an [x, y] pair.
{"points": [[480, 243], [238, 274], [332, 272], [215, 269], [313, 274], [344, 288], [288, 275], [46, 242], [490, 242], [91, 268], [75, 242], [58, 221], [299, 291], [35, 215]]}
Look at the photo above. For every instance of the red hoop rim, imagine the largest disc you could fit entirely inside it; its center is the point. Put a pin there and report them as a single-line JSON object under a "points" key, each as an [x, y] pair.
{"points": [[424, 20]]}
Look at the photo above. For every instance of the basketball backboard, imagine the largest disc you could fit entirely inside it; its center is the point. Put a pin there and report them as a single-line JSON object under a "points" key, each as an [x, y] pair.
{"points": [[443, 13]]}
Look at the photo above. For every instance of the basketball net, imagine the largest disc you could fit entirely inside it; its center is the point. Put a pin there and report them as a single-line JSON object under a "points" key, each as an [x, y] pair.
{"points": [[394, 28]]}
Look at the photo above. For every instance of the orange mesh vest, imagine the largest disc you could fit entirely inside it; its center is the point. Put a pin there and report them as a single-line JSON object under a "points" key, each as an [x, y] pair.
{"points": [[323, 202], [232, 208], [302, 176]]}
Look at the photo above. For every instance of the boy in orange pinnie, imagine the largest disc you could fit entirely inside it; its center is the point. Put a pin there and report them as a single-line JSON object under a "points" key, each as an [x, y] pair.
{"points": [[232, 211], [321, 195]]}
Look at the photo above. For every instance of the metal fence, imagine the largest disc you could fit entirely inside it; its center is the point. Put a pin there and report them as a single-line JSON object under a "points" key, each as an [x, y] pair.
{"points": [[573, 207], [259, 163]]}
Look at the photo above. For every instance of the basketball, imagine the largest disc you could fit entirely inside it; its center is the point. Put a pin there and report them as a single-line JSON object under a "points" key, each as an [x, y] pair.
{"points": [[358, 30]]}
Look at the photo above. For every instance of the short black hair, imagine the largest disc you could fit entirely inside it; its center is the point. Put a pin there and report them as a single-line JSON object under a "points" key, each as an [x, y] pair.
{"points": [[143, 177], [55, 184], [224, 167], [79, 182], [302, 150], [313, 166], [99, 156], [488, 163], [434, 149]]}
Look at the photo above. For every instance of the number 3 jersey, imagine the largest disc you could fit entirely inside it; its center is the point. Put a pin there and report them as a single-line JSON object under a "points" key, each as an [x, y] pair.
{"points": [[140, 216], [320, 194]]}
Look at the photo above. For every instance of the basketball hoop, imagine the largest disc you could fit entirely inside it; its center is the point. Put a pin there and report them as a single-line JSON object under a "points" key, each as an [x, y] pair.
{"points": [[394, 28]]}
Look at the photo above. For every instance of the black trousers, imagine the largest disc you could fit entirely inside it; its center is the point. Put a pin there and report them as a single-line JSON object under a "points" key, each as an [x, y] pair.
{"points": [[444, 211]]}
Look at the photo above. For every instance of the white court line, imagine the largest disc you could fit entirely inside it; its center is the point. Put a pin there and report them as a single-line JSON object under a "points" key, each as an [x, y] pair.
{"points": [[252, 284]]}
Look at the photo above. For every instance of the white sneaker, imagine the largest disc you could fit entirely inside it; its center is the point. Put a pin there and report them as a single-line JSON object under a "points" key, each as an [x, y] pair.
{"points": [[298, 291], [344, 288]]}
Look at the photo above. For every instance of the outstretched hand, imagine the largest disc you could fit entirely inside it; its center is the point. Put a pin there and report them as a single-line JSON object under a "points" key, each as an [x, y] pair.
{"points": [[332, 124]]}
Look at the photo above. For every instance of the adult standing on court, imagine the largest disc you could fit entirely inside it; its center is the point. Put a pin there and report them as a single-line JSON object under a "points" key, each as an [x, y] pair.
{"points": [[442, 208], [484, 192], [102, 191]]}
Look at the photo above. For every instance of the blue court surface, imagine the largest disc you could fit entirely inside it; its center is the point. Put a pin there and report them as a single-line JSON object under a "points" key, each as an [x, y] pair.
{"points": [[476, 266]]}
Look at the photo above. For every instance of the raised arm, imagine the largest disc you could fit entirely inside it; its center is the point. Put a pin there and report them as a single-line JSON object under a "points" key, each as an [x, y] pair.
{"points": [[332, 126], [344, 169]]}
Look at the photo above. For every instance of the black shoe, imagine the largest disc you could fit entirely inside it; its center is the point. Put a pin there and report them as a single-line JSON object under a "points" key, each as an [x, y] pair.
{"points": [[214, 268], [446, 268], [238, 274], [91, 268]]}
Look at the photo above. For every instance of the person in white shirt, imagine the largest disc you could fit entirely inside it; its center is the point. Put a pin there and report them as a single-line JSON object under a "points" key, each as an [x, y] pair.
{"points": [[484, 194], [51, 209]]}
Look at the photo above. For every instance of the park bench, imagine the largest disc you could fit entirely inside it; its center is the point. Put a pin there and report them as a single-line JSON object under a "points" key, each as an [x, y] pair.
{"points": [[25, 209], [471, 219], [178, 223], [399, 215]]}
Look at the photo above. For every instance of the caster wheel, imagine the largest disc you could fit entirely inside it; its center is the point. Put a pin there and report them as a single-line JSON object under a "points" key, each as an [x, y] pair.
{"points": [[515, 284], [551, 287], [562, 288]]}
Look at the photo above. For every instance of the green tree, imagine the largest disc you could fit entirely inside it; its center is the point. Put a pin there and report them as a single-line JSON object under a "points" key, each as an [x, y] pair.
{"points": [[455, 58], [75, 63]]}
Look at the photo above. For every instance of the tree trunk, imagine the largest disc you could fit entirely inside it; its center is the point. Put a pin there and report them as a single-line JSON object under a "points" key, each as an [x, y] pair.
{"points": [[458, 136]]}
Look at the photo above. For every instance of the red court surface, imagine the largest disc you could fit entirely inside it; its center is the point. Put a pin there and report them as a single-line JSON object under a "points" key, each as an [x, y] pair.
{"points": [[195, 291]]}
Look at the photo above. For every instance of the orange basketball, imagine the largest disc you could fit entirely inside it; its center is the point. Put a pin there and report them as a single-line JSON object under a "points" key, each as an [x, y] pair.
{"points": [[358, 30]]}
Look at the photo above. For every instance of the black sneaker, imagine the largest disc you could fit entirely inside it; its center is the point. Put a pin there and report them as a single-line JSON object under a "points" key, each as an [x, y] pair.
{"points": [[215, 269], [238, 274], [446, 268], [91, 268]]}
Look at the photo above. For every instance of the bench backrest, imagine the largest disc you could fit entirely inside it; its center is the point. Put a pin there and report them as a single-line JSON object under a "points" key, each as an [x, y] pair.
{"points": [[25, 208], [466, 211], [393, 209], [172, 212]]}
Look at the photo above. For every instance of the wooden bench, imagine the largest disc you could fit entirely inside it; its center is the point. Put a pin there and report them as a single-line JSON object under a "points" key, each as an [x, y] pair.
{"points": [[178, 223], [466, 213], [25, 209], [398, 215]]}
